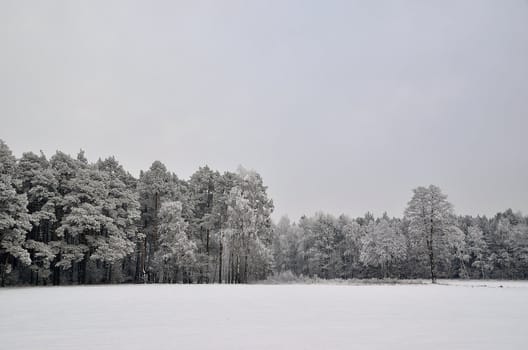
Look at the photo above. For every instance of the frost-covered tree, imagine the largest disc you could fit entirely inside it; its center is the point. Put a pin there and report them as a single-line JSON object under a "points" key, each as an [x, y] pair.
{"points": [[14, 220], [286, 247], [175, 251], [201, 195], [508, 245], [37, 179], [502, 246], [82, 216], [155, 186], [319, 244], [430, 218], [220, 214], [477, 249], [382, 246], [520, 251], [353, 233], [458, 252], [119, 234], [248, 228], [96, 215]]}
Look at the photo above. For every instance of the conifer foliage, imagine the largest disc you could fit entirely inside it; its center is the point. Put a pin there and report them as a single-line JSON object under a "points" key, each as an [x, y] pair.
{"points": [[68, 221]]}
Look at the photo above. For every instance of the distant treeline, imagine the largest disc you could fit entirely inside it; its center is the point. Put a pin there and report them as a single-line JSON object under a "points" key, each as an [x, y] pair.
{"points": [[428, 242], [64, 220]]}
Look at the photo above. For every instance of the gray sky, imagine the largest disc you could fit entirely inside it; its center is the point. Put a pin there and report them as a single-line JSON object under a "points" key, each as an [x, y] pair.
{"points": [[343, 106]]}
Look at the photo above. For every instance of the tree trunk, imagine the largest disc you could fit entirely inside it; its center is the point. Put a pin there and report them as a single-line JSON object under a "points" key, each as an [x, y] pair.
{"points": [[208, 259], [109, 273], [231, 268], [143, 261], [431, 261], [220, 253], [246, 266], [72, 270], [138, 263], [3, 273], [431, 252], [237, 271], [56, 276], [154, 237]]}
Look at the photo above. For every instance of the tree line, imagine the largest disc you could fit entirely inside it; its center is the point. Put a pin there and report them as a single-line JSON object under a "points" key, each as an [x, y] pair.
{"points": [[64, 220], [430, 241]]}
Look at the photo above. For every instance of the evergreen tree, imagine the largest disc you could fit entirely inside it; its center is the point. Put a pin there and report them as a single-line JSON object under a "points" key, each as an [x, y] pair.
{"points": [[201, 187], [119, 235], [14, 220], [83, 221], [155, 186], [37, 180]]}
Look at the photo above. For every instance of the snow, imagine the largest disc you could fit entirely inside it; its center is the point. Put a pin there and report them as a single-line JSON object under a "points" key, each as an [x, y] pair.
{"points": [[447, 316]]}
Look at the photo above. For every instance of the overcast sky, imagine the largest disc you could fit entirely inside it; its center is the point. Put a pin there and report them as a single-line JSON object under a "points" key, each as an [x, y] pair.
{"points": [[341, 106]]}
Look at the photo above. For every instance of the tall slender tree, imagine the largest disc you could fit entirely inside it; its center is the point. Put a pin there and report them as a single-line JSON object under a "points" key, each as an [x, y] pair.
{"points": [[201, 193], [155, 186], [430, 218], [175, 254]]}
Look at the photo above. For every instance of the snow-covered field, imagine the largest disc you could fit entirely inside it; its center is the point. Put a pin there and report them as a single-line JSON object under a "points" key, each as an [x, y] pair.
{"points": [[470, 315]]}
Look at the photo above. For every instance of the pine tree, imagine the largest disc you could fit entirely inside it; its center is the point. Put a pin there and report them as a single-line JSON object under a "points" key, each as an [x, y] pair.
{"points": [[83, 219], [155, 186], [14, 220], [201, 187], [37, 180], [119, 234]]}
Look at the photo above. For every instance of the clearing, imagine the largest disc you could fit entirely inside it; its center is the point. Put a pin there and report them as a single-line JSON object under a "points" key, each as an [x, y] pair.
{"points": [[469, 315]]}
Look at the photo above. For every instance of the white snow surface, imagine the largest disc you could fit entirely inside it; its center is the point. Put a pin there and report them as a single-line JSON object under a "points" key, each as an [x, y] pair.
{"points": [[470, 315]]}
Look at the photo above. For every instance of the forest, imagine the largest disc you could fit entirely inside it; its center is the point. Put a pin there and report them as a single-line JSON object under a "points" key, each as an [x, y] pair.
{"points": [[64, 220]]}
